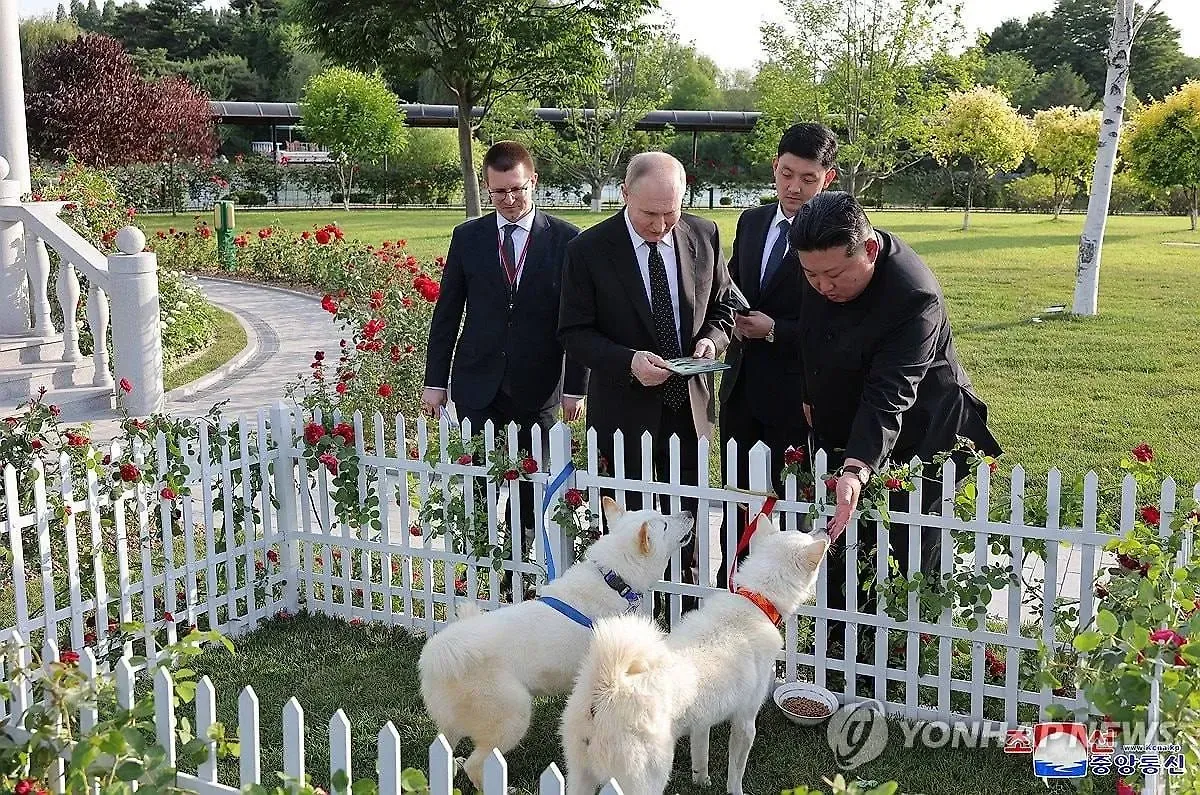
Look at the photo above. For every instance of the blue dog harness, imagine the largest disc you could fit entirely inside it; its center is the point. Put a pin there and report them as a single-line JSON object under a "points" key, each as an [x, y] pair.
{"points": [[612, 580]]}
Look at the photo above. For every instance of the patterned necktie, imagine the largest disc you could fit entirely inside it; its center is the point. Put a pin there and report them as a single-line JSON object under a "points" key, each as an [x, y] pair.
{"points": [[510, 256], [777, 252], [675, 389]]}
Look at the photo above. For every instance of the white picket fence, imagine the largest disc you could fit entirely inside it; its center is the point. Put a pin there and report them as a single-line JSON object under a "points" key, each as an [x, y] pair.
{"points": [[440, 767], [228, 555]]}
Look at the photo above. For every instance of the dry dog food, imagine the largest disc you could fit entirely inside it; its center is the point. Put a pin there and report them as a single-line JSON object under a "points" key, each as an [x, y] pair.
{"points": [[806, 707]]}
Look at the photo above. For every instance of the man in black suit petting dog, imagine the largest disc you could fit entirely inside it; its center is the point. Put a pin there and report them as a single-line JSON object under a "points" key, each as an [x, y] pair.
{"points": [[760, 390]]}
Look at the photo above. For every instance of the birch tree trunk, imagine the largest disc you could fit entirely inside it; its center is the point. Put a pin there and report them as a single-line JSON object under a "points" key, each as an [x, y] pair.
{"points": [[1087, 263]]}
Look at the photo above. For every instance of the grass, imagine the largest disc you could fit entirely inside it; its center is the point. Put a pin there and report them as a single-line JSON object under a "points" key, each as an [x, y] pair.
{"points": [[1071, 393], [229, 339], [370, 673]]}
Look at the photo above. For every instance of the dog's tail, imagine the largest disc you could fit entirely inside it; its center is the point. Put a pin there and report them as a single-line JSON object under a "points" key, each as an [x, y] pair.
{"points": [[620, 708]]}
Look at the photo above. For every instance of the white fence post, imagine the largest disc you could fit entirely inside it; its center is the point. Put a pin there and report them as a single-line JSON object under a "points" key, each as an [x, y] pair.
{"points": [[250, 761], [164, 709], [286, 491], [339, 749], [441, 766], [551, 782], [389, 765], [495, 774], [293, 739], [136, 334], [560, 457], [206, 716]]}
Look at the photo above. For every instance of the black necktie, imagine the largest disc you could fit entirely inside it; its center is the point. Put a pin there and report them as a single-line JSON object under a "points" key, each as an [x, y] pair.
{"points": [[777, 252], [675, 389], [510, 256]]}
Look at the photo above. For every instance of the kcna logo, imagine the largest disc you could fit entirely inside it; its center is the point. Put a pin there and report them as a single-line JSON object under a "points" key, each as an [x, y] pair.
{"points": [[1069, 750]]}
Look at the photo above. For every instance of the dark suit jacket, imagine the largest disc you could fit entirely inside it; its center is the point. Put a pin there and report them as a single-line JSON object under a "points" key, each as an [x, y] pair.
{"points": [[606, 318], [501, 344], [881, 372], [768, 371]]}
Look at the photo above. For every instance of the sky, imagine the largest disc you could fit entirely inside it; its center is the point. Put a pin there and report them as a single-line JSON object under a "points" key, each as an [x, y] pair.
{"points": [[728, 30]]}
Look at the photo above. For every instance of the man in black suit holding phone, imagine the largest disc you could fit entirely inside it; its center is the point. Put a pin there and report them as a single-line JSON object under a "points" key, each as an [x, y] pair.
{"points": [[760, 391], [501, 284]]}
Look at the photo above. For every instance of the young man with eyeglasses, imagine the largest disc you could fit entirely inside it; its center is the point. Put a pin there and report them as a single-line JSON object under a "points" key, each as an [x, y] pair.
{"points": [[501, 284]]}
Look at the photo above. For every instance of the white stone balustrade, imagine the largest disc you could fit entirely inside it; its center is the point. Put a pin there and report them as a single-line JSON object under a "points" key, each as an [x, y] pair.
{"points": [[128, 279]]}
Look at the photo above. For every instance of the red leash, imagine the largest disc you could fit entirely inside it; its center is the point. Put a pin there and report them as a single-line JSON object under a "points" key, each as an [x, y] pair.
{"points": [[767, 506]]}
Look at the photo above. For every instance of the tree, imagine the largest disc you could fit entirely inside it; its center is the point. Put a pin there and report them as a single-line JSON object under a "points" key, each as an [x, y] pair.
{"points": [[1064, 147], [356, 117], [1164, 144], [1126, 22], [1063, 87], [87, 101], [693, 80], [1076, 30], [981, 127], [42, 34], [858, 67], [481, 50], [1012, 76]]}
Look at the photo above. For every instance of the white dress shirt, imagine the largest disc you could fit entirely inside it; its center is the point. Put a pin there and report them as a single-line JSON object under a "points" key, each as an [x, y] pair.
{"points": [[666, 247], [772, 236], [520, 237]]}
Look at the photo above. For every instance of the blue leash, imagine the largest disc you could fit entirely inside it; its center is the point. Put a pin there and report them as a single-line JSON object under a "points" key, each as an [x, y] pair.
{"points": [[559, 480], [566, 610]]}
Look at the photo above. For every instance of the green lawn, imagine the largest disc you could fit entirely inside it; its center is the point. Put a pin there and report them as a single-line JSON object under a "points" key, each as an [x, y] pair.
{"points": [[228, 341], [370, 673], [1069, 393]]}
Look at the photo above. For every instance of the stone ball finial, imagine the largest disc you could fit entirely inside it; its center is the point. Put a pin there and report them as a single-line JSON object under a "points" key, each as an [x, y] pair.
{"points": [[4, 169], [130, 240]]}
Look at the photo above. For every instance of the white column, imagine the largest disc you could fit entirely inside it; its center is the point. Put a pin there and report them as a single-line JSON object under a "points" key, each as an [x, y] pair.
{"points": [[14, 146], [136, 336], [14, 298]]}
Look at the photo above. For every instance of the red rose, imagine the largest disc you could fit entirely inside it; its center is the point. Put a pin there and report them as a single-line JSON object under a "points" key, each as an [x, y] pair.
{"points": [[414, 530], [330, 461], [168, 617], [1167, 637], [529, 465], [36, 444], [272, 556], [414, 453], [89, 638], [1124, 789], [385, 390], [168, 493], [126, 387], [129, 473], [373, 327], [322, 236], [793, 455], [68, 657], [1150, 515], [894, 484], [356, 622], [831, 483], [376, 299], [573, 498], [511, 475], [319, 356], [1101, 591], [283, 615], [465, 459], [340, 388], [305, 235], [1143, 453], [313, 433], [460, 587], [55, 411], [329, 304], [25, 787]]}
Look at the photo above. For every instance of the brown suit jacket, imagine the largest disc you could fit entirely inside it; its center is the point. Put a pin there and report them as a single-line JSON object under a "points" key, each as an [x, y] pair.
{"points": [[605, 318]]}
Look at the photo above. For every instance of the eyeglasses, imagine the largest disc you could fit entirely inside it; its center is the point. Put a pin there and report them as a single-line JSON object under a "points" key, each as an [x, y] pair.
{"points": [[500, 194]]}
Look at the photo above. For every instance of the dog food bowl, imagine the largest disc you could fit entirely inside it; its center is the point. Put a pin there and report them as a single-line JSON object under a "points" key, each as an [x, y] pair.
{"points": [[805, 703]]}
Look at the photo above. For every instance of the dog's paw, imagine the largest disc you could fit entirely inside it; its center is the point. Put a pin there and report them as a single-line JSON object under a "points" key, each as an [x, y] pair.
{"points": [[702, 779]]}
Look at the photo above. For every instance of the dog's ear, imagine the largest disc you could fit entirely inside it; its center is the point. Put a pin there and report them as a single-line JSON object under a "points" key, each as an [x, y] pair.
{"points": [[765, 525], [612, 511], [812, 554], [644, 544]]}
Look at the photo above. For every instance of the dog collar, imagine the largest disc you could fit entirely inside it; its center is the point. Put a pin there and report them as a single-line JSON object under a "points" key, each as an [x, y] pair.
{"points": [[763, 604], [615, 581]]}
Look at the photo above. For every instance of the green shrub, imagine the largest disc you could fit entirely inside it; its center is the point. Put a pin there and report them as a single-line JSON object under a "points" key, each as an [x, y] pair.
{"points": [[1035, 192]]}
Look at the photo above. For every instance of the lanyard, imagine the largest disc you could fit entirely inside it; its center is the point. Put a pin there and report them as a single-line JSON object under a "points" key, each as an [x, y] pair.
{"points": [[516, 277]]}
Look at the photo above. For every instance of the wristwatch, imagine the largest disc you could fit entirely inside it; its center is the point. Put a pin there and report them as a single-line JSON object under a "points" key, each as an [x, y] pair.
{"points": [[861, 473], [771, 334]]}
